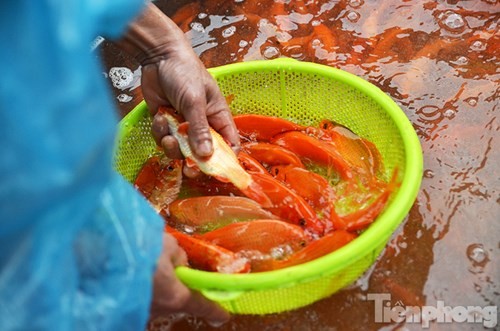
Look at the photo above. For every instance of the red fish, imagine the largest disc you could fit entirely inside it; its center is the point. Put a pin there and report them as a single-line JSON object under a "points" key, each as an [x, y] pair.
{"points": [[261, 127], [261, 235], [354, 149], [288, 205], [203, 185], [250, 164], [314, 250], [204, 213], [315, 150], [207, 256], [222, 164], [314, 188], [159, 181], [360, 219], [271, 154]]}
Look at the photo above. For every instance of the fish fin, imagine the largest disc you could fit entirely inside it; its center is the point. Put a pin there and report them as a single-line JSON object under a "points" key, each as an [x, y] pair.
{"points": [[190, 163]]}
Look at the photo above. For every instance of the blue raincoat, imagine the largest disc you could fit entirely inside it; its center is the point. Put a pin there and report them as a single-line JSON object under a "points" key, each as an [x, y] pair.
{"points": [[78, 245]]}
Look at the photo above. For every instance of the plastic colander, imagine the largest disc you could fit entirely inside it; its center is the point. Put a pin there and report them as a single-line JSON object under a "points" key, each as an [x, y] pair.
{"points": [[305, 93]]}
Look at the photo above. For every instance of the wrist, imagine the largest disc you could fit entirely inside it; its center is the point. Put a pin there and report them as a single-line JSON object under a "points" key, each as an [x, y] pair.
{"points": [[152, 36]]}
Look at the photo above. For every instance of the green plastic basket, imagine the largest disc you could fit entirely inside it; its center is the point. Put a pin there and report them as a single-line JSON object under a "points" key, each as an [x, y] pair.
{"points": [[305, 93]]}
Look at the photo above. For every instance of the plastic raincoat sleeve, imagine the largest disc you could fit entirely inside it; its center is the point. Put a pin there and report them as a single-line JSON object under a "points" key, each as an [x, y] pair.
{"points": [[78, 244]]}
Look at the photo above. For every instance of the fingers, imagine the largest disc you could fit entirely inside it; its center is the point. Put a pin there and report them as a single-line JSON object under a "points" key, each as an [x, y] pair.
{"points": [[211, 312], [171, 296], [176, 254]]}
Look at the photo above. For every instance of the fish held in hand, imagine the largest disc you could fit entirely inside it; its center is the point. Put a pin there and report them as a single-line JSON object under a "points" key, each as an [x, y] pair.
{"points": [[222, 164]]}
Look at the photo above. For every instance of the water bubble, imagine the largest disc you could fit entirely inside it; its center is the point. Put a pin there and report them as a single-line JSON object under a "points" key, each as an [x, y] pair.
{"points": [[197, 26], [355, 3], [316, 43], [477, 255], [429, 113], [271, 52], [315, 23], [238, 1], [452, 21], [353, 16], [124, 98], [428, 173], [461, 60], [449, 113], [478, 45], [229, 32], [243, 43], [121, 77], [471, 101], [202, 15]]}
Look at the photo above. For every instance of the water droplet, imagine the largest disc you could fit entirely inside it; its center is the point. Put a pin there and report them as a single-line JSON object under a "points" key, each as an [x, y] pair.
{"points": [[355, 3], [461, 60], [243, 43], [471, 101], [271, 52], [229, 32], [452, 21], [429, 113], [315, 23], [202, 15], [353, 16], [477, 287], [449, 113], [477, 255], [197, 26], [316, 43], [121, 77], [124, 98], [478, 45], [428, 173], [238, 1]]}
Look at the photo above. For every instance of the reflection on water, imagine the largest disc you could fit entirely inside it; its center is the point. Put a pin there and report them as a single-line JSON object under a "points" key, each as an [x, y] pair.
{"points": [[439, 60]]}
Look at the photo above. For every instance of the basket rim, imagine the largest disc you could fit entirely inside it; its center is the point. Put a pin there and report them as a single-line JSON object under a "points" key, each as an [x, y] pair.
{"points": [[375, 235]]}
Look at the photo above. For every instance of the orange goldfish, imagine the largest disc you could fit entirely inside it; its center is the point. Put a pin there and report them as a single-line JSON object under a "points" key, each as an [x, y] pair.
{"points": [[222, 164]]}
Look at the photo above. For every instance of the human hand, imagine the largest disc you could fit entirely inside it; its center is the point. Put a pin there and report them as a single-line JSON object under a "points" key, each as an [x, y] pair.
{"points": [[182, 81], [172, 74], [171, 296]]}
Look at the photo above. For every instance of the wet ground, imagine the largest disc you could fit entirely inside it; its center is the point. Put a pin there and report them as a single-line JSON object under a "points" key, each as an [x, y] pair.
{"points": [[439, 60]]}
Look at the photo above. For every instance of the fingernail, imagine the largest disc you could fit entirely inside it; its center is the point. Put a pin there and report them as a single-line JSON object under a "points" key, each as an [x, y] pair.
{"points": [[205, 148]]}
